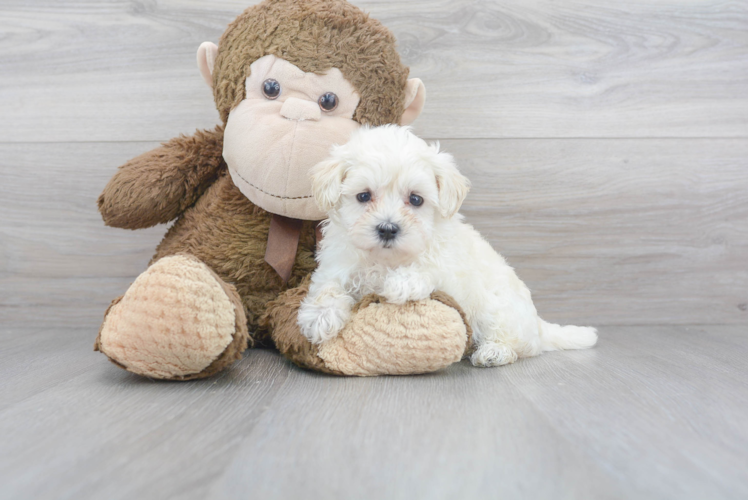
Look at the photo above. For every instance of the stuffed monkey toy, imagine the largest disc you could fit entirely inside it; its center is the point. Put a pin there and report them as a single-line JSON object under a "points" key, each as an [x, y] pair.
{"points": [[290, 79]]}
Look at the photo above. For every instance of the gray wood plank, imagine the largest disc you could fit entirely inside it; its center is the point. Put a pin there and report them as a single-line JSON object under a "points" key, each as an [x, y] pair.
{"points": [[33, 361], [93, 70], [678, 393], [621, 232], [651, 412], [459, 434], [105, 433], [60, 264], [603, 231]]}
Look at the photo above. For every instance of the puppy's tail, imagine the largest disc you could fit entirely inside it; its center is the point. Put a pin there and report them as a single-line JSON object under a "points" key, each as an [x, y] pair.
{"points": [[556, 337]]}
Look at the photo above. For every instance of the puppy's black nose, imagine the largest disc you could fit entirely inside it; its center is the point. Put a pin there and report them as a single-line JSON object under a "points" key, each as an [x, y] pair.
{"points": [[387, 231]]}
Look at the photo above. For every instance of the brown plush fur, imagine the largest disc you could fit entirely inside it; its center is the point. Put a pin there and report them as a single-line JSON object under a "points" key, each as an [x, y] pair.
{"points": [[157, 186], [229, 233], [315, 35], [187, 179], [280, 318], [222, 227], [447, 300]]}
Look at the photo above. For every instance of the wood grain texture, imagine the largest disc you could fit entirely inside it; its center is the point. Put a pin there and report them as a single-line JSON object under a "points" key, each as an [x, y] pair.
{"points": [[125, 436], [603, 231], [58, 262], [613, 231], [651, 412], [654, 425], [125, 70], [607, 146]]}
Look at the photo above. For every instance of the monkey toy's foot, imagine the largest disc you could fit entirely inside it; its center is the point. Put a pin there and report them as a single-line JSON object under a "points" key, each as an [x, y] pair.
{"points": [[177, 321], [380, 338]]}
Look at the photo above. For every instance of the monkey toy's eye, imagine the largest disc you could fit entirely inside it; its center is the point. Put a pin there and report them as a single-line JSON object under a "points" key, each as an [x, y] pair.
{"points": [[328, 101], [271, 88], [416, 200], [363, 197]]}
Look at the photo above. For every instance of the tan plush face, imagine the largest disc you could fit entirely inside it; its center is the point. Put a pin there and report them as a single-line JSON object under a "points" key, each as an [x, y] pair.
{"points": [[281, 129]]}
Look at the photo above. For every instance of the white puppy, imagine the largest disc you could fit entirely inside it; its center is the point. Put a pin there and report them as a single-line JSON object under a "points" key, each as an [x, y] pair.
{"points": [[393, 230]]}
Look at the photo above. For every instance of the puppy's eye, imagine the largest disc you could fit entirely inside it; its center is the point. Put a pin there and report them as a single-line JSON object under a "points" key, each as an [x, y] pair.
{"points": [[416, 200], [271, 88], [328, 101], [363, 197]]}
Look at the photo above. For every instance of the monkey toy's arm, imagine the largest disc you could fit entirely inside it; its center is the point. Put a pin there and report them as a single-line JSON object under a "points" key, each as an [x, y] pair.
{"points": [[159, 185]]}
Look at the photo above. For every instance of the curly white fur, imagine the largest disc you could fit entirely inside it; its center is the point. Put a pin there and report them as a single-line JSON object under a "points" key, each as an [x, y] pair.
{"points": [[432, 250]]}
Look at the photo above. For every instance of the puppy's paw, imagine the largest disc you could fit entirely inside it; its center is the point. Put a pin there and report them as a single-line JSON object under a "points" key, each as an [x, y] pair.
{"points": [[399, 288], [492, 354], [321, 322]]}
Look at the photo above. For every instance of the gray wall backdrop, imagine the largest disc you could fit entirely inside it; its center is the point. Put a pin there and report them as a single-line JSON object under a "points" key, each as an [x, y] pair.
{"points": [[606, 141]]}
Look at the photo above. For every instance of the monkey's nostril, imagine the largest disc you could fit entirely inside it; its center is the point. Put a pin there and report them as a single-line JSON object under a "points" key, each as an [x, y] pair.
{"points": [[387, 231]]}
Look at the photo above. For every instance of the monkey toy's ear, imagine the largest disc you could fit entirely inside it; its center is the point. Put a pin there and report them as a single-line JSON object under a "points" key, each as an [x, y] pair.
{"points": [[206, 59], [327, 179], [415, 97]]}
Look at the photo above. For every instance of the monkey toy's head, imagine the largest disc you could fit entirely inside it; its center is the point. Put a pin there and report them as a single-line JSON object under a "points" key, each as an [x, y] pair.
{"points": [[291, 78]]}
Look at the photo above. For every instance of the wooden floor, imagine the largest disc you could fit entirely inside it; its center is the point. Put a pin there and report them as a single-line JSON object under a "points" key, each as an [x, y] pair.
{"points": [[652, 412], [607, 143]]}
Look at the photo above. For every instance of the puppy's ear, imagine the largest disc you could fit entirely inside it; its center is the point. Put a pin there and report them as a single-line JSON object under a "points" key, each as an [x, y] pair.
{"points": [[327, 179], [453, 186]]}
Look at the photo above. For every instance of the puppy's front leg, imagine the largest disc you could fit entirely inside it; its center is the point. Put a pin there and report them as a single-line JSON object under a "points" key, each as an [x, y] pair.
{"points": [[407, 283], [324, 312]]}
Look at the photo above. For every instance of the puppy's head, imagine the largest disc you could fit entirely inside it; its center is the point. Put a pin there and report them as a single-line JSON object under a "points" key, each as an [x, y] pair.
{"points": [[388, 189]]}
